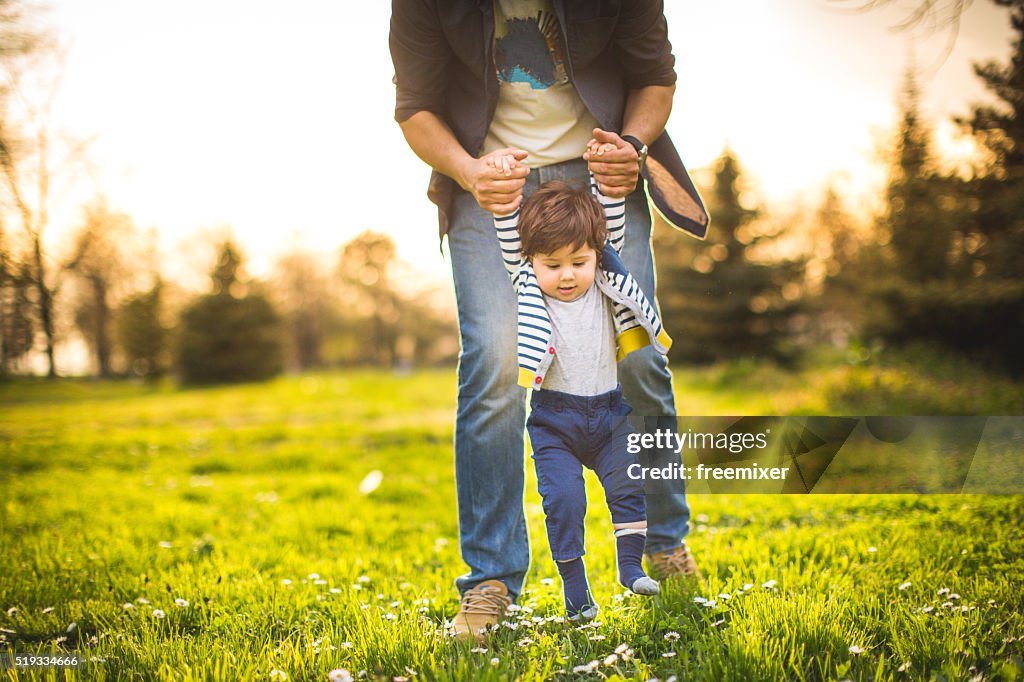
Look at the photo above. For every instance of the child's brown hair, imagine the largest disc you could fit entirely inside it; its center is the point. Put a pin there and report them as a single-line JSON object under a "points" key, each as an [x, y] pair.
{"points": [[559, 214]]}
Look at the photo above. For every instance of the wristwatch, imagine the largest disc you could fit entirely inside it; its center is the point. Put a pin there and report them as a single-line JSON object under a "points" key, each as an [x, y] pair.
{"points": [[640, 147]]}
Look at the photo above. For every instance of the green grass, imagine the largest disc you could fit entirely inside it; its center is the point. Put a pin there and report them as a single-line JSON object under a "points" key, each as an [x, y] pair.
{"points": [[233, 498]]}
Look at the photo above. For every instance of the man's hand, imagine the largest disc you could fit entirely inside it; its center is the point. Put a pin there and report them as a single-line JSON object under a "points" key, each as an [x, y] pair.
{"points": [[496, 180], [614, 163]]}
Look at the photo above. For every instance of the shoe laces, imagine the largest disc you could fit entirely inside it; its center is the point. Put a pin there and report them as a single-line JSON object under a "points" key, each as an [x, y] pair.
{"points": [[679, 560], [485, 600]]}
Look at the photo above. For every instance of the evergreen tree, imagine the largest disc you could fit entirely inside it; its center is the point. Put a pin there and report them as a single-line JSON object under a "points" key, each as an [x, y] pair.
{"points": [[718, 298], [918, 234], [950, 273], [142, 333], [230, 334], [1000, 129]]}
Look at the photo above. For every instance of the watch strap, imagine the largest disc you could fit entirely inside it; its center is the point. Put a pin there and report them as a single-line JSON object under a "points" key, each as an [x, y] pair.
{"points": [[635, 143]]}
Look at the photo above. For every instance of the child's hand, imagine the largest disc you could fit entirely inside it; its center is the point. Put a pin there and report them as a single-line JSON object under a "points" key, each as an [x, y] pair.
{"points": [[496, 180], [595, 148], [502, 162]]}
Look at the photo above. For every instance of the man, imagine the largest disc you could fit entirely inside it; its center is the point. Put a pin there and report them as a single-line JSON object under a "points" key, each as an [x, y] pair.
{"points": [[537, 79]]}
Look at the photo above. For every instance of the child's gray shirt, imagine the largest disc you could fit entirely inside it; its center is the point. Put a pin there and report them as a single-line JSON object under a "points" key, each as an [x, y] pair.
{"points": [[584, 334]]}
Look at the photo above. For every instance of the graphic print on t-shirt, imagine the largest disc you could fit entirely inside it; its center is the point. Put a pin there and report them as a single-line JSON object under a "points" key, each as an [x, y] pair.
{"points": [[538, 108], [528, 48]]}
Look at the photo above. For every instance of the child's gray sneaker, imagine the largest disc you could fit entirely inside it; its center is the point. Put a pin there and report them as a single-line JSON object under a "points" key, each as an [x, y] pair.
{"points": [[646, 586], [587, 613]]}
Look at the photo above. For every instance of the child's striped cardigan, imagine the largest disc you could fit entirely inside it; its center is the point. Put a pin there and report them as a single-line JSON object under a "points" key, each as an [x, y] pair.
{"points": [[636, 322]]}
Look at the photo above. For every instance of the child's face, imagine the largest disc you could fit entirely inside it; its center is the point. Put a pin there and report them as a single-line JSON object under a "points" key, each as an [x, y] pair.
{"points": [[567, 273]]}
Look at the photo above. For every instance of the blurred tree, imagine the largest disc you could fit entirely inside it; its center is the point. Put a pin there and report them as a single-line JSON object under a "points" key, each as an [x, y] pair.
{"points": [[102, 264], [17, 334], [917, 228], [725, 296], [387, 315], [371, 306], [142, 334], [999, 128], [25, 163], [305, 297], [949, 263], [835, 272], [231, 334]]}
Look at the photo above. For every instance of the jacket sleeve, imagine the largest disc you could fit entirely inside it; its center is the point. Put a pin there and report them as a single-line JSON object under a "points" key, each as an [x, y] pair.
{"points": [[420, 53], [642, 45], [508, 239], [614, 214]]}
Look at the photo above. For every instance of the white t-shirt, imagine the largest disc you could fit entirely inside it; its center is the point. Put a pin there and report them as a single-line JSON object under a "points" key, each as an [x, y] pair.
{"points": [[583, 335], [538, 108]]}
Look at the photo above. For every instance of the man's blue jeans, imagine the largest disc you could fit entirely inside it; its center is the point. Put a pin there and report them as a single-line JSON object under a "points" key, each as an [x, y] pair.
{"points": [[491, 414]]}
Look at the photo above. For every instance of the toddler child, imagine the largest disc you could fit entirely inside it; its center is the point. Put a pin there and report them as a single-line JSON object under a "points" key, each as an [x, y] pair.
{"points": [[579, 312]]}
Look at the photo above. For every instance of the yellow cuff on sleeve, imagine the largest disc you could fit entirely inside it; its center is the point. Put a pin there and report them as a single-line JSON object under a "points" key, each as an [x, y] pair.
{"points": [[630, 340]]}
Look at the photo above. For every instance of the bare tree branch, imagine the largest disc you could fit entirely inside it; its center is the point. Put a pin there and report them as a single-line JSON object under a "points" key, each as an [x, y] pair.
{"points": [[926, 16]]}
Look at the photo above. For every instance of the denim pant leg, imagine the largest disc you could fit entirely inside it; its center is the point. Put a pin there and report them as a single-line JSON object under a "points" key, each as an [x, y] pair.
{"points": [[647, 386], [489, 452], [559, 481], [624, 495]]}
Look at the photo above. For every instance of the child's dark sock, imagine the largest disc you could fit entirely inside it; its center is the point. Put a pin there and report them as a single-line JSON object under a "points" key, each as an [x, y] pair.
{"points": [[629, 545], [575, 586]]}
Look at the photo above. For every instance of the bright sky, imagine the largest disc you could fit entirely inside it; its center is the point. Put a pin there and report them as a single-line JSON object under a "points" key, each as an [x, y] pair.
{"points": [[277, 118]]}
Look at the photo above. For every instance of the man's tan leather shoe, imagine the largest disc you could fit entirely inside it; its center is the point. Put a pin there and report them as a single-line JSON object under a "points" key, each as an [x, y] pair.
{"points": [[482, 606], [675, 563]]}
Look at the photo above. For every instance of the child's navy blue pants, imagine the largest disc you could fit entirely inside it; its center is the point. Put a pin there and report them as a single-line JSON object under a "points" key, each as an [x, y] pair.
{"points": [[568, 432]]}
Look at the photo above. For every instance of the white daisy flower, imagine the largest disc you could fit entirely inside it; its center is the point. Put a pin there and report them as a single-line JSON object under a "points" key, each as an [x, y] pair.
{"points": [[371, 482], [142, 600], [278, 675], [363, 579], [672, 636], [479, 650], [611, 659], [158, 613], [769, 585], [286, 581], [944, 590], [181, 602], [339, 675], [905, 585], [668, 654], [856, 650], [872, 550], [495, 661], [165, 544], [904, 668], [128, 606], [48, 609]]}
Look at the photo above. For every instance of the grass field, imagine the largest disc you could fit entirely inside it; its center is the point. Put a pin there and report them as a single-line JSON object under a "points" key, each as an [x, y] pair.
{"points": [[221, 533]]}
